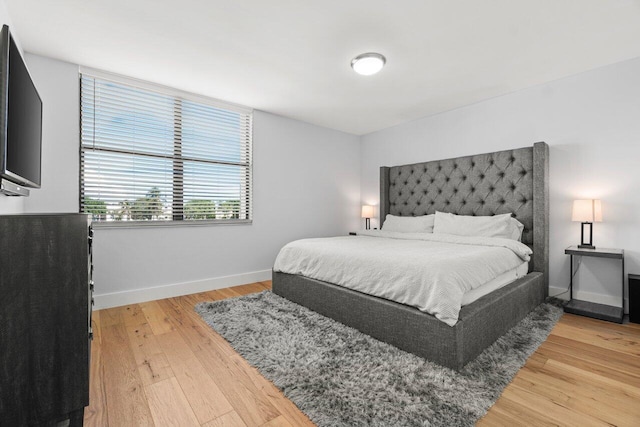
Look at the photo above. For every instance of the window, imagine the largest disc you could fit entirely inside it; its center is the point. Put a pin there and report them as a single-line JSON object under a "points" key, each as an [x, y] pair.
{"points": [[150, 154]]}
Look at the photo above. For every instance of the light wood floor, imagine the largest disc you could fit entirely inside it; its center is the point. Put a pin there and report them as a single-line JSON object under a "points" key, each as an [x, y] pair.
{"points": [[159, 364]]}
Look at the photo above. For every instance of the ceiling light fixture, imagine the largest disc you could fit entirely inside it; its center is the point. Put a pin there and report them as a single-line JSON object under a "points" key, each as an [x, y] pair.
{"points": [[368, 63]]}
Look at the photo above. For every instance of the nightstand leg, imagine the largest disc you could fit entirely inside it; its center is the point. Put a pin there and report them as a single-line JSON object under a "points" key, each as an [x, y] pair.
{"points": [[571, 278], [623, 287]]}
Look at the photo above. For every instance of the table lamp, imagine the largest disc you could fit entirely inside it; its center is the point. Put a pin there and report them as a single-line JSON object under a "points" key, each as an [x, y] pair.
{"points": [[367, 213], [587, 212]]}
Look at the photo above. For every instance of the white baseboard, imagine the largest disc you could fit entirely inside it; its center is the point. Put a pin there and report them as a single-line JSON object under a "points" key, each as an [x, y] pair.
{"points": [[590, 297], [561, 293], [135, 296]]}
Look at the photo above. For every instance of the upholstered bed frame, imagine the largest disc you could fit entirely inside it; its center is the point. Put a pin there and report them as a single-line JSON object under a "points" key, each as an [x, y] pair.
{"points": [[513, 181]]}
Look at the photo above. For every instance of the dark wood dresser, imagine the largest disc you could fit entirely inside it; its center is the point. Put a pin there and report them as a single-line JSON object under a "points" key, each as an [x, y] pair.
{"points": [[45, 318]]}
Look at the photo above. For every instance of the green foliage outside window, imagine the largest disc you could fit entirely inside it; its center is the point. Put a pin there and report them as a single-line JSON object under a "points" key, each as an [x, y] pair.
{"points": [[97, 208], [152, 206], [200, 209]]}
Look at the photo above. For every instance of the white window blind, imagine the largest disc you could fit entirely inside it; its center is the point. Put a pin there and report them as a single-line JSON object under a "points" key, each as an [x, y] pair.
{"points": [[152, 156]]}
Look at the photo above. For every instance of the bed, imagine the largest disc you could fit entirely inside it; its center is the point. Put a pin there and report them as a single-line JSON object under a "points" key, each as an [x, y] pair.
{"points": [[511, 181]]}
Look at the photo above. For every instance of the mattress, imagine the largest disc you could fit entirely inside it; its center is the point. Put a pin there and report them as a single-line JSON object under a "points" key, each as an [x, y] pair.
{"points": [[431, 272], [492, 285]]}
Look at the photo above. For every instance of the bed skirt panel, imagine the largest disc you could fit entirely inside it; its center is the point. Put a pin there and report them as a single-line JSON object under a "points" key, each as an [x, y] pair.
{"points": [[480, 323]]}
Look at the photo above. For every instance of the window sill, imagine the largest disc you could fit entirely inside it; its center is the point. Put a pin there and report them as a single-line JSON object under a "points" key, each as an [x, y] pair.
{"points": [[163, 224]]}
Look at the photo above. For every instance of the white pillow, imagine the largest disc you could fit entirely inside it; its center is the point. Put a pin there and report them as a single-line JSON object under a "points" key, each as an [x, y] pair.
{"points": [[516, 229], [409, 224], [503, 225]]}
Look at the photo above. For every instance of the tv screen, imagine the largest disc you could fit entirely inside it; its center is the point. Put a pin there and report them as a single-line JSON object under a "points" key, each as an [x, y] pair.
{"points": [[21, 133]]}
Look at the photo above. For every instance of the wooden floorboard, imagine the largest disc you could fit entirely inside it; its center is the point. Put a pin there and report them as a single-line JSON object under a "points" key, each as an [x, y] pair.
{"points": [[158, 364]]}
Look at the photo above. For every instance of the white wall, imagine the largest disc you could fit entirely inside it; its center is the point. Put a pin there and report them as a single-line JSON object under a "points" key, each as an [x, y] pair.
{"points": [[57, 83], [306, 183], [591, 122], [8, 204]]}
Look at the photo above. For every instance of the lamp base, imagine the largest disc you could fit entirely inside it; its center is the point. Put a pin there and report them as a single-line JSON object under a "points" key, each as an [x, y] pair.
{"points": [[586, 247], [586, 244]]}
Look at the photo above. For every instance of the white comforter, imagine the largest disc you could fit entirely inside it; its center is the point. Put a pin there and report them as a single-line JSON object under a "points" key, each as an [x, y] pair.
{"points": [[428, 271]]}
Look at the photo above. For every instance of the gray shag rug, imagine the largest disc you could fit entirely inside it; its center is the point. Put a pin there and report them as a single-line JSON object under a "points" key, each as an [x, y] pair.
{"points": [[339, 376]]}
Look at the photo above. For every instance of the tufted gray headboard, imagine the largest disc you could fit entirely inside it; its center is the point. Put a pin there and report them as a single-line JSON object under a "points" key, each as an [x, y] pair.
{"points": [[513, 181]]}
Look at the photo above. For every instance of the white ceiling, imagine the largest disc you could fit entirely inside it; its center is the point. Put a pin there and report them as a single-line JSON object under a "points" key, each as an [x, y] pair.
{"points": [[291, 57]]}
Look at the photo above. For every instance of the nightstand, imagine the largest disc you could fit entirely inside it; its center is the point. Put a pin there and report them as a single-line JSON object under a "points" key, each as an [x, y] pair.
{"points": [[590, 309]]}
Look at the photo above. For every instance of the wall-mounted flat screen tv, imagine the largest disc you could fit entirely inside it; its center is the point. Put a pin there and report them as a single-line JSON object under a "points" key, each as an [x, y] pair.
{"points": [[20, 118]]}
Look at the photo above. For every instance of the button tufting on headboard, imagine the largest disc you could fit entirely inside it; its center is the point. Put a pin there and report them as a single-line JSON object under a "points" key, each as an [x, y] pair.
{"points": [[483, 184]]}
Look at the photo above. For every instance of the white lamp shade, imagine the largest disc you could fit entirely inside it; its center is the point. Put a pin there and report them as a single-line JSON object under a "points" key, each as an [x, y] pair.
{"points": [[367, 211], [587, 210]]}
